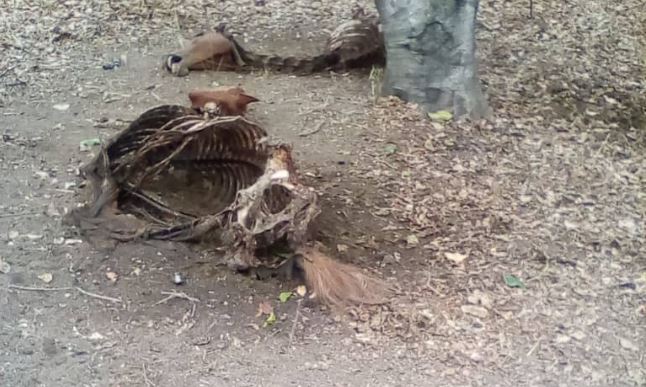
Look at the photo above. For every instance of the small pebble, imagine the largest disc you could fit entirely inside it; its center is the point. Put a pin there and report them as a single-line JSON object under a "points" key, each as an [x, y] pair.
{"points": [[178, 279], [112, 65]]}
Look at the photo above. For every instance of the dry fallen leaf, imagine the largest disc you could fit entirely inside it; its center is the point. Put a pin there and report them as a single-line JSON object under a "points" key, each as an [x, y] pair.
{"points": [[46, 277], [264, 308], [455, 257], [112, 276], [627, 344], [412, 240], [562, 339], [473, 310], [52, 211], [96, 336], [341, 248]]}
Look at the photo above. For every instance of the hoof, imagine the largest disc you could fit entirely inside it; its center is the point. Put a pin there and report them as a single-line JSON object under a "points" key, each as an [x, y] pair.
{"points": [[173, 64]]}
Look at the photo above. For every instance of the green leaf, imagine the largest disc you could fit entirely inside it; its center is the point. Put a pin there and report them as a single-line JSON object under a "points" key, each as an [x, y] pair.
{"points": [[284, 296], [390, 149], [513, 282], [441, 115], [86, 145], [271, 320]]}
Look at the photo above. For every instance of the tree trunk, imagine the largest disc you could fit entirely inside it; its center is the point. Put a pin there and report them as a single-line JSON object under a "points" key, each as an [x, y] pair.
{"points": [[431, 54]]}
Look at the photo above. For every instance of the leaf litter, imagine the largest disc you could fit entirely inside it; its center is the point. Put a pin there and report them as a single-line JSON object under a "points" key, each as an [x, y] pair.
{"points": [[544, 189]]}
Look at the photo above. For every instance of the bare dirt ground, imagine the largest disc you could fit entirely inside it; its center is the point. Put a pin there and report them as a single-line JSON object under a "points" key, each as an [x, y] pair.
{"points": [[550, 191]]}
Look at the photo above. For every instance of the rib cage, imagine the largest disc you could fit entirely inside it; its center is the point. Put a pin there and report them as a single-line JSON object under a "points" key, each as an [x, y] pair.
{"points": [[144, 126], [251, 200], [171, 146]]}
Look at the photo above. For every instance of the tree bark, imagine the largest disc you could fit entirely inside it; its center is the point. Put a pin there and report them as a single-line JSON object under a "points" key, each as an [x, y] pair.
{"points": [[431, 55]]}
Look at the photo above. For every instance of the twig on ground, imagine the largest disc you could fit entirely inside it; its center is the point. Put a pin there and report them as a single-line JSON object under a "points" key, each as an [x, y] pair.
{"points": [[146, 380], [36, 289], [291, 333], [538, 342], [179, 31], [531, 9], [428, 283], [82, 291], [5, 71], [20, 214], [100, 297], [175, 294], [310, 132], [314, 109], [18, 82]]}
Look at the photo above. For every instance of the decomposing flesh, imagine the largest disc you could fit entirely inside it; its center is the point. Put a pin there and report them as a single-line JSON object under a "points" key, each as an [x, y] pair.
{"points": [[182, 174], [356, 43]]}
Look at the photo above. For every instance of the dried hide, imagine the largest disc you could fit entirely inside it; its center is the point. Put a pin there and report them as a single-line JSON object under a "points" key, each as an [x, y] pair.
{"points": [[357, 43], [178, 175]]}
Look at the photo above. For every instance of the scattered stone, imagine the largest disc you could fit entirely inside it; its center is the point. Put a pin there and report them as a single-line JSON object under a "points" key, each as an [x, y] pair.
{"points": [[62, 106], [46, 277], [578, 335], [52, 211], [178, 279], [562, 339], [96, 336], [5, 268], [71, 242], [627, 344], [476, 311]]}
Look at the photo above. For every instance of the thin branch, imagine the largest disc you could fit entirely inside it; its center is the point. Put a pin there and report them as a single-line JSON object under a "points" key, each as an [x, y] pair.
{"points": [[291, 333], [315, 108], [94, 295], [146, 380], [36, 289], [315, 130], [82, 291], [21, 214], [7, 71], [175, 294], [531, 9]]}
